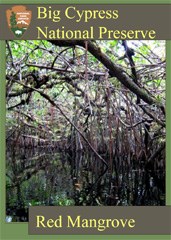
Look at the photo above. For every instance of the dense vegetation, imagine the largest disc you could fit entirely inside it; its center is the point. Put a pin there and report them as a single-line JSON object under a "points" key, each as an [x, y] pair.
{"points": [[101, 106]]}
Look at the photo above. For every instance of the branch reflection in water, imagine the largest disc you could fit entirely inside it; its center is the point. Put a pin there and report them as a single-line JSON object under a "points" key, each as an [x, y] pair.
{"points": [[48, 178]]}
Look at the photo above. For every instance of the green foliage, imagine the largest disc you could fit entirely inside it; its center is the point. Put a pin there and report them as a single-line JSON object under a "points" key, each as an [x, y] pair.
{"points": [[13, 20], [62, 200]]}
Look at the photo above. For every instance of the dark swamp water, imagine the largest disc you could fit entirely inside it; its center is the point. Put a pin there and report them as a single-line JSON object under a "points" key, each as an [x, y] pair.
{"points": [[42, 177]]}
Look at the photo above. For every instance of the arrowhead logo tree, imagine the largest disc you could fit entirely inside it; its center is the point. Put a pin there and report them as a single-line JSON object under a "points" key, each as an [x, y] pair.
{"points": [[18, 19]]}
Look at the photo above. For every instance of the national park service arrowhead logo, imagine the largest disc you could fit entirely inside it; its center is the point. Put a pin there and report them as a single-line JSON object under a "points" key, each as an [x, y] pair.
{"points": [[18, 19]]}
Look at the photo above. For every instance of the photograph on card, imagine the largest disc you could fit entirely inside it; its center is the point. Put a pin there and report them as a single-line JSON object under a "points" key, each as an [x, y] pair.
{"points": [[85, 124]]}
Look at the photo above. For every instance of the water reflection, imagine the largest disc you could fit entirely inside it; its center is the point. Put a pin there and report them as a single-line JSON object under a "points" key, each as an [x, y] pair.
{"points": [[49, 178]]}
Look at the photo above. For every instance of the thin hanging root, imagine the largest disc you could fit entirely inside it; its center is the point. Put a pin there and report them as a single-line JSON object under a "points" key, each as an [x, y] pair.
{"points": [[57, 106]]}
